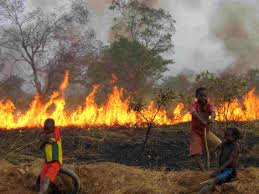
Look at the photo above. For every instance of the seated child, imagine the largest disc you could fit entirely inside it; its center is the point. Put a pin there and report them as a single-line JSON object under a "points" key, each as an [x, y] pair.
{"points": [[228, 160], [51, 142]]}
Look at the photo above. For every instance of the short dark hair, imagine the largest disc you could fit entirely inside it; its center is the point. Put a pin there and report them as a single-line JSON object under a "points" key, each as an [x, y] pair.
{"points": [[48, 122], [235, 132], [198, 90]]}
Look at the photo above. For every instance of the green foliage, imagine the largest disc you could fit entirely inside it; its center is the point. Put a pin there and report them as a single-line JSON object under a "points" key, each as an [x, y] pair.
{"points": [[152, 28], [223, 89], [162, 98], [253, 76], [142, 34], [181, 84], [136, 67], [11, 88], [137, 104]]}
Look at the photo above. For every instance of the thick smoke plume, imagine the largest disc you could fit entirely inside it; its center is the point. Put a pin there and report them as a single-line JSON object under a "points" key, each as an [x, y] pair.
{"points": [[237, 25], [99, 5], [151, 3], [120, 28]]}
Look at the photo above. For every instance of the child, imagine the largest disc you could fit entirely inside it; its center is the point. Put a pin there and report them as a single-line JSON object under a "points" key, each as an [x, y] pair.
{"points": [[51, 142], [201, 110], [228, 160]]}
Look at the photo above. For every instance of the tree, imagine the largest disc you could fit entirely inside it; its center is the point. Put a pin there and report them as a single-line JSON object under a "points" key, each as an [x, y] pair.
{"points": [[141, 36], [223, 89], [15, 94], [253, 78], [137, 68], [38, 39], [179, 83], [161, 99], [152, 28]]}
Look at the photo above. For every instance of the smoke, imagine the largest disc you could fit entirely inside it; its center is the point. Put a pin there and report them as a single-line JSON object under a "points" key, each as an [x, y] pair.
{"points": [[120, 28], [192, 4], [101, 5], [151, 3], [237, 25], [45, 5], [203, 38]]}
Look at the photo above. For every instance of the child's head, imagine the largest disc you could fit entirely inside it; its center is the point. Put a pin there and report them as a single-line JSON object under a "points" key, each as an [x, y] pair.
{"points": [[49, 125], [232, 134], [201, 95]]}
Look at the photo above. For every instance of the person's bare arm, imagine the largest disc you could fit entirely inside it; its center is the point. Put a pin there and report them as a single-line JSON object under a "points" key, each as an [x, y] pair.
{"points": [[233, 157], [46, 139]]}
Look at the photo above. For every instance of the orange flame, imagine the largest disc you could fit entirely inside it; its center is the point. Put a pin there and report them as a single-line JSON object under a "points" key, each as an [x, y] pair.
{"points": [[115, 111]]}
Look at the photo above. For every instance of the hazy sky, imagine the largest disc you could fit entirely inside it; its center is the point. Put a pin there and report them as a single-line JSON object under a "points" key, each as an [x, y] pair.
{"points": [[196, 47]]}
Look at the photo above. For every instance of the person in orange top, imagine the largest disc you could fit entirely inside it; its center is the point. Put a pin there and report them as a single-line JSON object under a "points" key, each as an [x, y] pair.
{"points": [[51, 142], [203, 113]]}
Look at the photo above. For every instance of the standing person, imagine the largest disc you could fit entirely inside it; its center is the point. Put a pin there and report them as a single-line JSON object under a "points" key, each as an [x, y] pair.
{"points": [[228, 161], [51, 142], [201, 111]]}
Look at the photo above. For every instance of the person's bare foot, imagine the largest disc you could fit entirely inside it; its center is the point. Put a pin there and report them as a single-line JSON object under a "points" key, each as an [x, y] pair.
{"points": [[198, 161]]}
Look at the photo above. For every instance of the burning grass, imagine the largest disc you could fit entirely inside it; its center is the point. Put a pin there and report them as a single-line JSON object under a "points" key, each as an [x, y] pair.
{"points": [[115, 111]]}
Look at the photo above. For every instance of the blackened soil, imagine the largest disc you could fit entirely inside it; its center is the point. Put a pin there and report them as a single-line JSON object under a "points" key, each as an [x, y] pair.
{"points": [[167, 146]]}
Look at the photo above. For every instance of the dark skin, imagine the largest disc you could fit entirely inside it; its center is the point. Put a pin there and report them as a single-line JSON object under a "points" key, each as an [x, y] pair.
{"points": [[47, 134], [229, 138], [202, 100]]}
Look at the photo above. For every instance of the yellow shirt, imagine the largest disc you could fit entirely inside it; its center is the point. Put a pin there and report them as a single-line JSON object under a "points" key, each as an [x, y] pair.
{"points": [[53, 152]]}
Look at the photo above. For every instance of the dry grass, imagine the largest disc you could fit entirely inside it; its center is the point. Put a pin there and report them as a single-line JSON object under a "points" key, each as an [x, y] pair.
{"points": [[111, 178]]}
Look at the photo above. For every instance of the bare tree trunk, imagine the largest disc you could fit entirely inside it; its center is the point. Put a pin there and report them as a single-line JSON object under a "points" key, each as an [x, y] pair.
{"points": [[147, 135], [150, 126], [35, 79]]}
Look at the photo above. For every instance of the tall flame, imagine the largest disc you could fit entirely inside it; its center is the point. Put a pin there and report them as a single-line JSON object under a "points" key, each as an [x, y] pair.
{"points": [[113, 112]]}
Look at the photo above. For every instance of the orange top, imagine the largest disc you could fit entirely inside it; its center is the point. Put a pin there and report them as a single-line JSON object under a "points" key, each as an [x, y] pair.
{"points": [[204, 112]]}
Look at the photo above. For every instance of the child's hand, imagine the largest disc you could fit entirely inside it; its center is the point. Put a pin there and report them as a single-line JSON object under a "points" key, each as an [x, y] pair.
{"points": [[48, 140], [205, 123]]}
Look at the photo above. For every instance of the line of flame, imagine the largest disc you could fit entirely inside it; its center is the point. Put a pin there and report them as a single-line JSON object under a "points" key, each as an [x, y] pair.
{"points": [[113, 112]]}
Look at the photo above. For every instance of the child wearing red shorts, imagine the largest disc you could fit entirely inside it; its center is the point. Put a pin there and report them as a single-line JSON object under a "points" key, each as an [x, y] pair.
{"points": [[51, 142], [201, 111]]}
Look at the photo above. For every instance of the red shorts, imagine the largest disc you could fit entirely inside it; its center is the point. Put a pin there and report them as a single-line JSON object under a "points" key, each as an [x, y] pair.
{"points": [[197, 142], [50, 170]]}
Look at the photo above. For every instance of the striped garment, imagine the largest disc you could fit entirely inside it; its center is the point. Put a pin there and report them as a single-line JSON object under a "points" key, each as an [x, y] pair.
{"points": [[53, 152]]}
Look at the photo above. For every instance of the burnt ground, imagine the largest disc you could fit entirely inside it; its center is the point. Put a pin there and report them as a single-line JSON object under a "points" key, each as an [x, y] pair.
{"points": [[167, 147]]}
